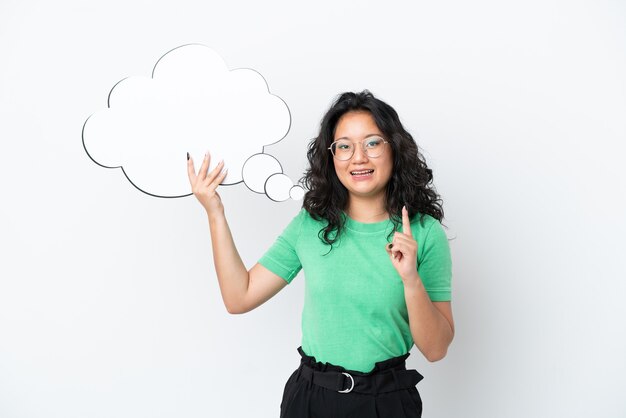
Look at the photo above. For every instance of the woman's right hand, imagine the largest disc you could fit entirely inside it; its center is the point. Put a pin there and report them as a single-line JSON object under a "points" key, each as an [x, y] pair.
{"points": [[204, 185]]}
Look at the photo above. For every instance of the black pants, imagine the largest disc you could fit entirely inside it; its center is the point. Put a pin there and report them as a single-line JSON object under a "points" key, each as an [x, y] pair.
{"points": [[303, 399]]}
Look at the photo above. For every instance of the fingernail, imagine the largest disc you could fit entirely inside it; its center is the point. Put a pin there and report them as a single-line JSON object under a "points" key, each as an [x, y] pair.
{"points": [[187, 156]]}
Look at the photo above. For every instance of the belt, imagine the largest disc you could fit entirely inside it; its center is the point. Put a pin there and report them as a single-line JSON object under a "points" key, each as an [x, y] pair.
{"points": [[343, 382]]}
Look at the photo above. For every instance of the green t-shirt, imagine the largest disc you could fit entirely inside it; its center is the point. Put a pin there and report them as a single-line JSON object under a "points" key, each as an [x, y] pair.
{"points": [[354, 309]]}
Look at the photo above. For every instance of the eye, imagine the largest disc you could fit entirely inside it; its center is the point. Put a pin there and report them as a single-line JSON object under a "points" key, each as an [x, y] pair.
{"points": [[343, 146], [373, 142]]}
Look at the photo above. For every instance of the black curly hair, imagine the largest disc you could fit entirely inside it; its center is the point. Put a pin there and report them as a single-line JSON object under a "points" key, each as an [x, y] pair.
{"points": [[410, 183]]}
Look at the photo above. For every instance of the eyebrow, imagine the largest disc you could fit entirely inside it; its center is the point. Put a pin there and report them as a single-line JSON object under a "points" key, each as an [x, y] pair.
{"points": [[366, 136]]}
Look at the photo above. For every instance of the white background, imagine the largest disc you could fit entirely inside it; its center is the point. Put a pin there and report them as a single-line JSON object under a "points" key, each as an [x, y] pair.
{"points": [[109, 304]]}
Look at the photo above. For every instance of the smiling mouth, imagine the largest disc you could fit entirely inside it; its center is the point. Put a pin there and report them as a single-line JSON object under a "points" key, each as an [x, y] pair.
{"points": [[361, 173]]}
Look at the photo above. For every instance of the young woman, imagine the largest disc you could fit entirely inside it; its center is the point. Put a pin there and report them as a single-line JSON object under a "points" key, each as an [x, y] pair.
{"points": [[376, 262]]}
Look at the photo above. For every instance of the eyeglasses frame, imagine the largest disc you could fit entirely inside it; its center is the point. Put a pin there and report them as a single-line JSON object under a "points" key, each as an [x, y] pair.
{"points": [[362, 146]]}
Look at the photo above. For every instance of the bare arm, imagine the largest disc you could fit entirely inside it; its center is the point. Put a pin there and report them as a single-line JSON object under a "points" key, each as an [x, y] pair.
{"points": [[242, 290], [431, 323]]}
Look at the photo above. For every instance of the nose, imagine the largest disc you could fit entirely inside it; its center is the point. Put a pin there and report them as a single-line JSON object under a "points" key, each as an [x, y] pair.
{"points": [[359, 154]]}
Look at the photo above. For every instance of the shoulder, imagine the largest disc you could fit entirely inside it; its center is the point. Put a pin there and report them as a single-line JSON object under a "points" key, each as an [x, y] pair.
{"points": [[426, 228], [423, 221], [303, 221], [307, 219]]}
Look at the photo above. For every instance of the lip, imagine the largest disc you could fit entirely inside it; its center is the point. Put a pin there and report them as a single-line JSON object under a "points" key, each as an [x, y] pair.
{"points": [[362, 177]]}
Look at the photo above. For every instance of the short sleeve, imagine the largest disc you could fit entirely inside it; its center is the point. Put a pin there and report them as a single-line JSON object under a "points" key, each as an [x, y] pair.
{"points": [[282, 258], [435, 264]]}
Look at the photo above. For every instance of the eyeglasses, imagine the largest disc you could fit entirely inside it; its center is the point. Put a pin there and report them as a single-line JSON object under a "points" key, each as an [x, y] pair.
{"points": [[343, 150]]}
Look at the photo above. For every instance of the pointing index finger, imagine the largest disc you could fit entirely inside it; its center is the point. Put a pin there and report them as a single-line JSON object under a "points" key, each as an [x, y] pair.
{"points": [[406, 223]]}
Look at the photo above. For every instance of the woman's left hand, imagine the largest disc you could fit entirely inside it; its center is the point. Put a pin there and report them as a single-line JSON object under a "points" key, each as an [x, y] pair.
{"points": [[403, 251]]}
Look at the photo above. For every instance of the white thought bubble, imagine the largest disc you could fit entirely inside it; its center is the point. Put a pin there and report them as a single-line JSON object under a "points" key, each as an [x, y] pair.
{"points": [[192, 103]]}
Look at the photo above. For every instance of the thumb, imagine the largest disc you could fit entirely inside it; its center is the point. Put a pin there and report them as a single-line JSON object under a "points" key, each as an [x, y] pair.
{"points": [[393, 255]]}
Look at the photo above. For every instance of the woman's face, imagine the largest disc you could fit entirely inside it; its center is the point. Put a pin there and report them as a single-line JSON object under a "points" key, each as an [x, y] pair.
{"points": [[363, 176]]}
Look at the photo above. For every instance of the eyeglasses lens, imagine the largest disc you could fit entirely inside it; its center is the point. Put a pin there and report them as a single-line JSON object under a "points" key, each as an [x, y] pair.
{"points": [[344, 149]]}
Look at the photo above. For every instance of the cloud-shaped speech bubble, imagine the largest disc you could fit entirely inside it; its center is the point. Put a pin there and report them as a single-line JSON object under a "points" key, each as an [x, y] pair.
{"points": [[192, 103]]}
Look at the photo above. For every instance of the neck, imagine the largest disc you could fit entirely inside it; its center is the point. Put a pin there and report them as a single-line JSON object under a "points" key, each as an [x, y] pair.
{"points": [[366, 210]]}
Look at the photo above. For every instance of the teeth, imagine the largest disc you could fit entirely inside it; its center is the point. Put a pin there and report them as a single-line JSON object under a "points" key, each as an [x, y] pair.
{"points": [[362, 172]]}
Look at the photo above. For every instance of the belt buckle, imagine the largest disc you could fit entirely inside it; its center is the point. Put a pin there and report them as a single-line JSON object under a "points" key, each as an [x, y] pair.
{"points": [[351, 387]]}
